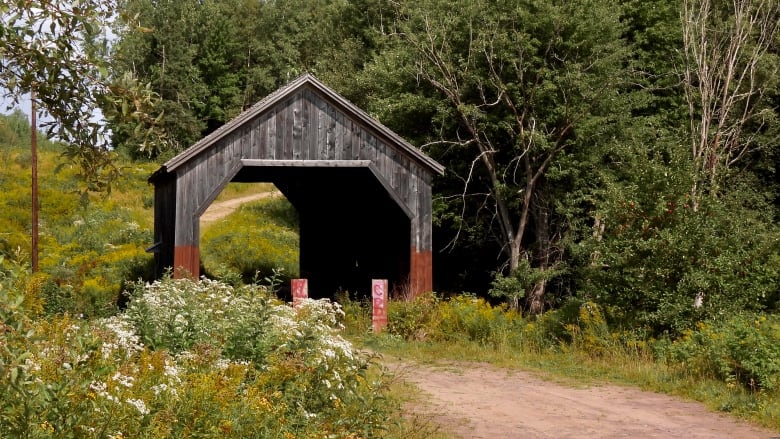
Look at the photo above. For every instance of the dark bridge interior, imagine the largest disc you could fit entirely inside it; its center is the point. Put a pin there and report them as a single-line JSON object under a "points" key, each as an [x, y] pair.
{"points": [[351, 229]]}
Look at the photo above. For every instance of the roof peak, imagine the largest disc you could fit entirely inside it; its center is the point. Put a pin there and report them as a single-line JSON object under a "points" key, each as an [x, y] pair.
{"points": [[278, 95]]}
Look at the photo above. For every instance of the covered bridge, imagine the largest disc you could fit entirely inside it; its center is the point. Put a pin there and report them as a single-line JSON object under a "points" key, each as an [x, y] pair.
{"points": [[363, 194]]}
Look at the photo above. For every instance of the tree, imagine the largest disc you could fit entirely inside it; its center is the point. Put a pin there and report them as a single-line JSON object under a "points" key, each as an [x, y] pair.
{"points": [[209, 60], [44, 53], [55, 51], [513, 89], [663, 257], [726, 74], [49, 47]]}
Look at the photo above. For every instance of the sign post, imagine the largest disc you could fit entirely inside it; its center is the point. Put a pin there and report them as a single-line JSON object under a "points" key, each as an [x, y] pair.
{"points": [[300, 291], [379, 296]]}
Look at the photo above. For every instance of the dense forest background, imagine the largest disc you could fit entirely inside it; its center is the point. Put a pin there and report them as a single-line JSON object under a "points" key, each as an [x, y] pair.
{"points": [[621, 152]]}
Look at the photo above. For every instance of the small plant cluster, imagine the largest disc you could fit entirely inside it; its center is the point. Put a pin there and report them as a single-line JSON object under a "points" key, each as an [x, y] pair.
{"points": [[460, 318], [187, 359]]}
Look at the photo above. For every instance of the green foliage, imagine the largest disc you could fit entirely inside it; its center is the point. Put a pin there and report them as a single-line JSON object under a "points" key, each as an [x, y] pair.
{"points": [[667, 266], [209, 60], [508, 106], [253, 241], [177, 315], [460, 318], [57, 51], [415, 319], [467, 317], [743, 349], [514, 286]]}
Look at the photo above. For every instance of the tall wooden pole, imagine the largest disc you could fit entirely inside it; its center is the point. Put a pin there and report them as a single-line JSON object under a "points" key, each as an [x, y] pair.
{"points": [[34, 164]]}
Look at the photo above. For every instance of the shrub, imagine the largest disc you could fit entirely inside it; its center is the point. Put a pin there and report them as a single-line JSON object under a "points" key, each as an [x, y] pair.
{"points": [[743, 349], [177, 314], [472, 318], [668, 266], [415, 319]]}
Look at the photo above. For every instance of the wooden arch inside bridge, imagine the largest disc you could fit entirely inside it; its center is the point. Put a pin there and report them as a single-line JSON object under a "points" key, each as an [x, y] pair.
{"points": [[363, 194]]}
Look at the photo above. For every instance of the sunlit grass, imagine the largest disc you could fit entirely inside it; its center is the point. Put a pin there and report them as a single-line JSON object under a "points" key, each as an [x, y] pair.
{"points": [[252, 242], [238, 190]]}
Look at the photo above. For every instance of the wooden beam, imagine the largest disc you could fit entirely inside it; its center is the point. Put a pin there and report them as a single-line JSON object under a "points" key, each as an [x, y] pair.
{"points": [[308, 163], [392, 192]]}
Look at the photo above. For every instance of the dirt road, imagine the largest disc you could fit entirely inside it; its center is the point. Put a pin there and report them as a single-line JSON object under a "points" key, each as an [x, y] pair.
{"points": [[473, 400], [222, 209]]}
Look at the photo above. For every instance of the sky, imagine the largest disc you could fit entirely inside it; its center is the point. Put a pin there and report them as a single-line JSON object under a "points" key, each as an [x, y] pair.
{"points": [[24, 101]]}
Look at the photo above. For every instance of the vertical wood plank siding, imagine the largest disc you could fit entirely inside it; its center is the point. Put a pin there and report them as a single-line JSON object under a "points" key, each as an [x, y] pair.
{"points": [[304, 126]]}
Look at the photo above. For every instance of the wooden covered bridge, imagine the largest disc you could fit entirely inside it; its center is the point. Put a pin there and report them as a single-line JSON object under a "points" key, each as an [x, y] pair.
{"points": [[362, 193]]}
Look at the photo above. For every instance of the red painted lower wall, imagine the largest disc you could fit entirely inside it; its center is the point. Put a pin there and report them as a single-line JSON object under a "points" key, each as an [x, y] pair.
{"points": [[421, 272], [186, 260]]}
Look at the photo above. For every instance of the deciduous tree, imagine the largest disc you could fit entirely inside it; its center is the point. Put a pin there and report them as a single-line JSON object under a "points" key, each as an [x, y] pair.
{"points": [[512, 88], [728, 50]]}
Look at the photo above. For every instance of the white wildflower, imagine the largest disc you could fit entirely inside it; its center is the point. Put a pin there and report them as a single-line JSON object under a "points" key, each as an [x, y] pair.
{"points": [[98, 387], [139, 405], [124, 380]]}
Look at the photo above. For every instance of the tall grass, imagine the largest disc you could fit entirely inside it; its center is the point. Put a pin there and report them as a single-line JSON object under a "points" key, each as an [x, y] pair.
{"points": [[88, 251]]}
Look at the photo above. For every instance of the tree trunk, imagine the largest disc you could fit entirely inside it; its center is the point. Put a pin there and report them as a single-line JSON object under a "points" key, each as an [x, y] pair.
{"points": [[535, 299]]}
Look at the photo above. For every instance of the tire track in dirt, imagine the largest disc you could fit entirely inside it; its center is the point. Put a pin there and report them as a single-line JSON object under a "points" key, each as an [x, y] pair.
{"points": [[476, 400]]}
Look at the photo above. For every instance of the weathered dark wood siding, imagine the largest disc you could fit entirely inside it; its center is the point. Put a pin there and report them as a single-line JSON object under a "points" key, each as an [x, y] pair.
{"points": [[164, 223]]}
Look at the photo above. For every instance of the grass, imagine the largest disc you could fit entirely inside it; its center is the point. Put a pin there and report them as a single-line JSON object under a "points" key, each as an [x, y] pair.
{"points": [[238, 190], [256, 239]]}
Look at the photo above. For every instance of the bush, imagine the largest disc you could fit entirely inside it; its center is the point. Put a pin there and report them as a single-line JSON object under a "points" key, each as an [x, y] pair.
{"points": [[471, 318], [743, 349], [415, 319], [667, 266]]}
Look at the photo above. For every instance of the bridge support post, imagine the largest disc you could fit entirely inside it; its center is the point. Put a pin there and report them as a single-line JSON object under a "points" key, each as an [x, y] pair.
{"points": [[186, 262], [420, 271]]}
